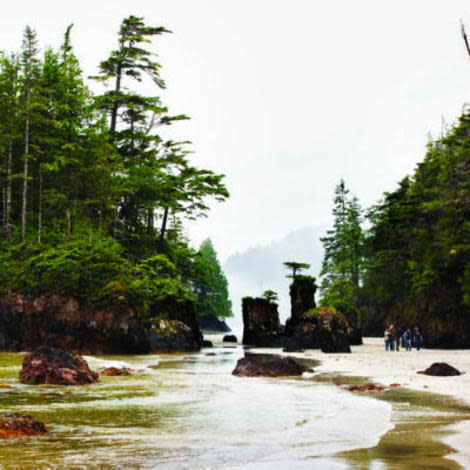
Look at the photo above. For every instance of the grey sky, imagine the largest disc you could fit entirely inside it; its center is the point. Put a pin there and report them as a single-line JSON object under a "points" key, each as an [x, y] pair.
{"points": [[286, 97]]}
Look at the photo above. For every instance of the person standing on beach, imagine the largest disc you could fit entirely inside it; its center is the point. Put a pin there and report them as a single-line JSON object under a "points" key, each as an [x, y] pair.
{"points": [[418, 338], [387, 336], [397, 338], [407, 338]]}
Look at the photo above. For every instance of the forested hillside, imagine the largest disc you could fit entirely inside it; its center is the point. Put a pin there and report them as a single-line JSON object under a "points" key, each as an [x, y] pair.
{"points": [[93, 192], [418, 249], [411, 266]]}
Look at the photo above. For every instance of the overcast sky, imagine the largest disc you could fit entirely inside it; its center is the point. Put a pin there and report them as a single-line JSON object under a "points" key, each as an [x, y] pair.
{"points": [[286, 97]]}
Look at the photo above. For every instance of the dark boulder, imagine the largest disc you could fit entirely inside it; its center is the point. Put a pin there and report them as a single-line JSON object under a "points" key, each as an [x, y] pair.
{"points": [[286, 366], [210, 323], [46, 365], [206, 344], [230, 339], [16, 425], [440, 368]]}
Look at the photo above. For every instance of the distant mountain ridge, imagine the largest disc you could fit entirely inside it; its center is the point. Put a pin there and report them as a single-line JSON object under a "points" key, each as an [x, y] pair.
{"points": [[260, 267]]}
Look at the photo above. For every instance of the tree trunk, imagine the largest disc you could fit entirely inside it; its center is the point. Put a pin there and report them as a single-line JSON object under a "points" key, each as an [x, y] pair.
{"points": [[68, 215], [8, 203], [115, 109], [164, 222], [40, 205], [24, 204]]}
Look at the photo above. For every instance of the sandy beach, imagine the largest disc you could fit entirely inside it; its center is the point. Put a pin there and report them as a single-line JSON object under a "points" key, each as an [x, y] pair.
{"points": [[386, 367]]}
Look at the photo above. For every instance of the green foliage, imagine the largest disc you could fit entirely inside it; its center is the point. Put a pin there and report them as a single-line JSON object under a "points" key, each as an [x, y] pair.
{"points": [[344, 243], [85, 179], [418, 248], [210, 284], [271, 296]]}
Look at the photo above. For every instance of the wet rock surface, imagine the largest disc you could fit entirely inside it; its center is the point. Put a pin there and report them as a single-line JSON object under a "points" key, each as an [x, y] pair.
{"points": [[115, 371], [27, 323], [286, 366], [440, 369], [173, 335], [261, 326], [206, 344], [17, 425], [52, 366]]}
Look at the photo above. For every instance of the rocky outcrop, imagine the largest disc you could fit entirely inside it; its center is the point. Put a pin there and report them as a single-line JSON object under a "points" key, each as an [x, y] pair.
{"points": [[27, 323], [173, 335], [319, 328], [52, 366], [354, 335], [286, 366], [16, 425], [440, 368], [115, 372], [210, 323], [302, 296], [261, 326], [307, 328]]}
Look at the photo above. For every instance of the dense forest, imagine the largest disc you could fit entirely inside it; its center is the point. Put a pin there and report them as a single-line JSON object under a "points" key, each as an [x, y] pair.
{"points": [[93, 192], [412, 264]]}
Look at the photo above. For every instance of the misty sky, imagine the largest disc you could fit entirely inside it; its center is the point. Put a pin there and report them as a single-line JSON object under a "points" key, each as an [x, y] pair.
{"points": [[286, 97]]}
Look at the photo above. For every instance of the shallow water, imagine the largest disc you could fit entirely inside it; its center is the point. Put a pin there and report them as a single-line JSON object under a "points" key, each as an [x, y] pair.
{"points": [[186, 411]]}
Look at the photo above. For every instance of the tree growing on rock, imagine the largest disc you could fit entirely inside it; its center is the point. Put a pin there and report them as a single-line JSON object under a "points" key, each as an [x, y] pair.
{"points": [[296, 267], [271, 296]]}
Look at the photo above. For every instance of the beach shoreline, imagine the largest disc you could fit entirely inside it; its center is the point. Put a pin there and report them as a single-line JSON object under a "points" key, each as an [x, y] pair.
{"points": [[401, 367]]}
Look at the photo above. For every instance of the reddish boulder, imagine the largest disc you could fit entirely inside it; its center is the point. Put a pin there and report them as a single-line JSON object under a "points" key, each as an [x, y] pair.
{"points": [[114, 371], [46, 365], [285, 366], [440, 368], [364, 388], [16, 425]]}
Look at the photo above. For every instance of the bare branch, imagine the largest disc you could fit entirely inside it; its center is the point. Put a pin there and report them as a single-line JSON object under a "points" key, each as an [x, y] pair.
{"points": [[464, 36]]}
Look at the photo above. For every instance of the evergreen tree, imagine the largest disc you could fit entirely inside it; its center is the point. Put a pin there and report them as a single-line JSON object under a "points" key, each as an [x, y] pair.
{"points": [[30, 76], [343, 244], [211, 284]]}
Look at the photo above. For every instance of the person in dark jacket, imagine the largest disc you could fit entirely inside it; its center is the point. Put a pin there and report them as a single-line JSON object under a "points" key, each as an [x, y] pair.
{"points": [[418, 338], [397, 335], [407, 339]]}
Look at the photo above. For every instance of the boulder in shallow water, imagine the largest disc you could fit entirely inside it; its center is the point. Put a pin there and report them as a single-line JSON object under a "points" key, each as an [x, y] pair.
{"points": [[173, 335], [440, 368], [230, 339], [115, 371], [285, 366], [46, 365], [16, 425]]}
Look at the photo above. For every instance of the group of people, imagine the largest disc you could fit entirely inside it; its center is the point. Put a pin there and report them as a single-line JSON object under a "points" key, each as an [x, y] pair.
{"points": [[395, 337]]}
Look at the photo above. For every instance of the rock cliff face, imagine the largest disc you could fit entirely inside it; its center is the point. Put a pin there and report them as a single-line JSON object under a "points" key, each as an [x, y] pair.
{"points": [[212, 323], [307, 328], [261, 322], [447, 331], [27, 323]]}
